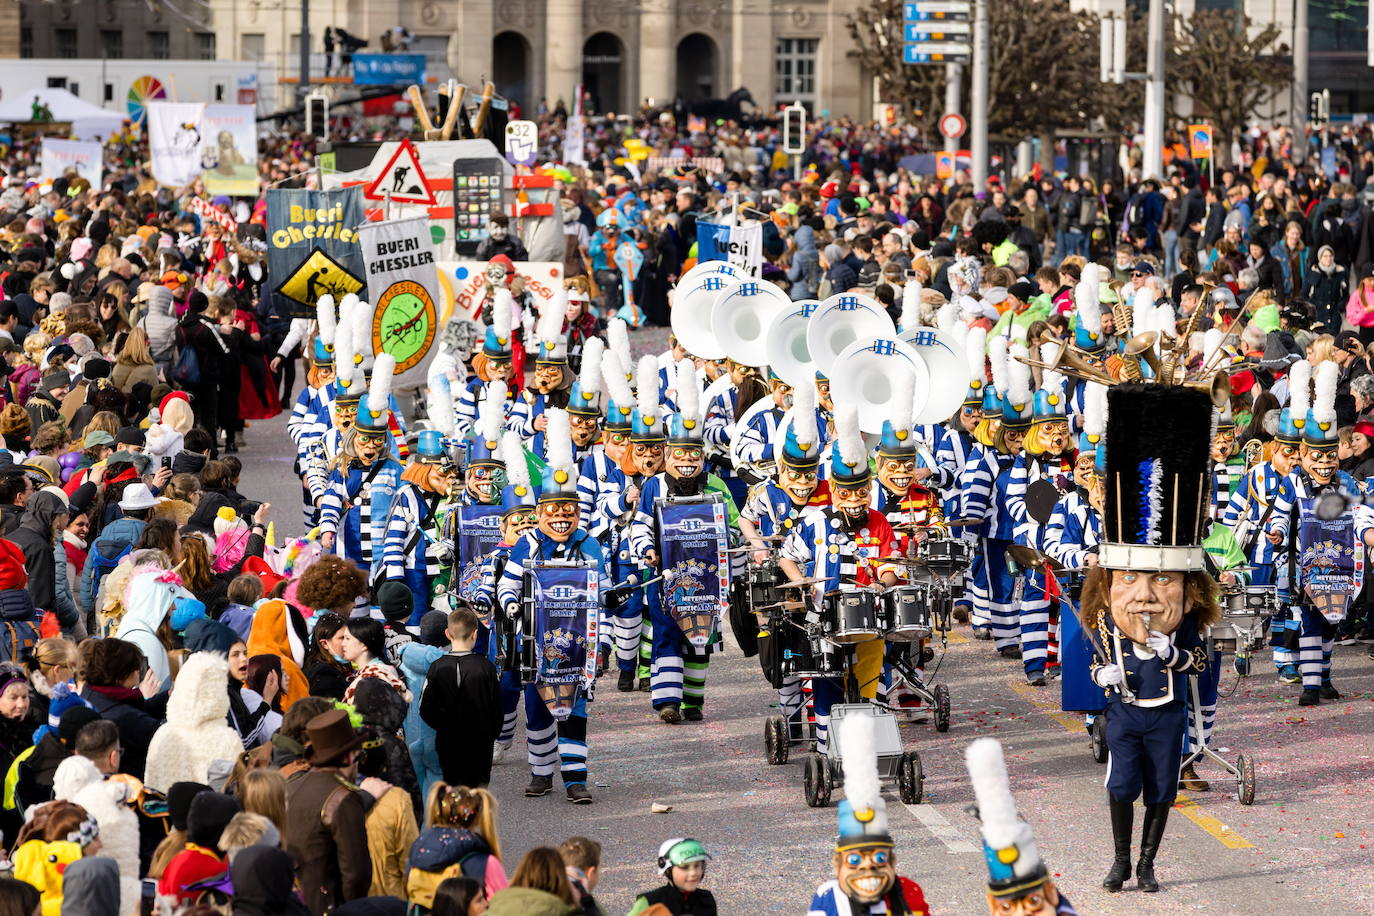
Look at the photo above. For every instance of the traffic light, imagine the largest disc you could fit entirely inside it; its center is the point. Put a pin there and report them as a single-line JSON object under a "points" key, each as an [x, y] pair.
{"points": [[1319, 108], [317, 116]]}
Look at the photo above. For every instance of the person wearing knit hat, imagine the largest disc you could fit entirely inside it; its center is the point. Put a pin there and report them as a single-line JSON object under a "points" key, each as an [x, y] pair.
{"points": [[558, 536]]}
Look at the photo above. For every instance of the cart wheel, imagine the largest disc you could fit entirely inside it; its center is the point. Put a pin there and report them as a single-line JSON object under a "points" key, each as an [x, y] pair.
{"points": [[829, 770], [1245, 789], [941, 708], [910, 778], [1098, 735], [775, 740], [813, 782]]}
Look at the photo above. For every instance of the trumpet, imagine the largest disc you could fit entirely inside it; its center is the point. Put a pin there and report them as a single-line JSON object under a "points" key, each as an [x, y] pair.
{"points": [[1070, 363], [1217, 387], [1142, 347]]}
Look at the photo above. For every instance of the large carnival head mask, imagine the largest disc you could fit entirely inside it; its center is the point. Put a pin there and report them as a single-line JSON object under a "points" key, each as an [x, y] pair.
{"points": [[370, 447], [558, 518], [969, 417], [496, 271], [617, 445], [1084, 466], [866, 873], [345, 412], [1097, 492], [1041, 901], [1144, 601], [516, 523], [684, 461], [1013, 440], [739, 372], [852, 499], [1283, 456], [498, 370], [549, 377], [1319, 463], [584, 430], [483, 483], [896, 472], [823, 395], [780, 391], [1050, 438], [797, 483], [1224, 444], [647, 457]]}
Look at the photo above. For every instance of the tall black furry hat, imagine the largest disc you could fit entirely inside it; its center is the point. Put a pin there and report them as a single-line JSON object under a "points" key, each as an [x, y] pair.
{"points": [[1158, 460]]}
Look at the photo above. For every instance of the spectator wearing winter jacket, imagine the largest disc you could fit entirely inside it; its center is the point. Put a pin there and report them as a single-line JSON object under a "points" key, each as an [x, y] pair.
{"points": [[841, 276], [805, 270], [116, 538], [1326, 286], [160, 324], [36, 536]]}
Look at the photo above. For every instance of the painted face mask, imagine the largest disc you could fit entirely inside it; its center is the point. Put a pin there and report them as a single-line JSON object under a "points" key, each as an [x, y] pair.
{"points": [[498, 371], [782, 395], [344, 415], [558, 520], [684, 461], [797, 484], [648, 458], [496, 274], [852, 501], [1083, 467], [517, 523], [617, 446], [896, 474], [969, 418], [584, 430], [1320, 464], [484, 482], [1223, 445], [1042, 901], [1013, 439], [739, 372], [1143, 601], [865, 873], [370, 448], [1283, 459], [823, 396], [1050, 438], [548, 378]]}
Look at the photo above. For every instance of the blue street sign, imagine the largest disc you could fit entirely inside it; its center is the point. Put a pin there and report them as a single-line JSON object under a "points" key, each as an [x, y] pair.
{"points": [[926, 52], [927, 10], [953, 31]]}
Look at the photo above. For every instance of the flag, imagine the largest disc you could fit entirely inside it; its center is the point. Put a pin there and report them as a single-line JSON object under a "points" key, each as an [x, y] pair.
{"points": [[1200, 141]]}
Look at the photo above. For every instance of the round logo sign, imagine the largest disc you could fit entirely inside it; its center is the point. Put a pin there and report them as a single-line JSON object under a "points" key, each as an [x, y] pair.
{"points": [[952, 125], [404, 323]]}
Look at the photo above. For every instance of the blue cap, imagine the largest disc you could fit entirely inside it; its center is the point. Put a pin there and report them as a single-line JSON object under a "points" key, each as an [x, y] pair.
{"points": [[900, 443], [429, 447], [1088, 443], [321, 355], [617, 417], [1289, 431], [1088, 340], [584, 403], [1017, 416], [647, 429], [373, 418], [1319, 435], [1048, 405], [992, 402], [517, 496], [484, 453], [348, 391], [804, 456], [845, 474], [685, 430], [496, 348]]}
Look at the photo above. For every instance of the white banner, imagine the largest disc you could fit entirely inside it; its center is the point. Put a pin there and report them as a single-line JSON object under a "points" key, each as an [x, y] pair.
{"points": [[59, 155], [175, 139], [403, 287], [746, 248], [575, 141], [229, 150]]}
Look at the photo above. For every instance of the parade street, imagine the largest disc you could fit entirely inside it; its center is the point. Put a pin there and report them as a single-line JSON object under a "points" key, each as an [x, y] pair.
{"points": [[1302, 847]]}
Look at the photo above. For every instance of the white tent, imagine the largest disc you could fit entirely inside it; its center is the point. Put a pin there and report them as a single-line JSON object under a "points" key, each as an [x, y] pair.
{"points": [[89, 122]]}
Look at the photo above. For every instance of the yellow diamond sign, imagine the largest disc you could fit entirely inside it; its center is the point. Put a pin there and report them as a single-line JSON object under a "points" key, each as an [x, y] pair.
{"points": [[317, 275]]}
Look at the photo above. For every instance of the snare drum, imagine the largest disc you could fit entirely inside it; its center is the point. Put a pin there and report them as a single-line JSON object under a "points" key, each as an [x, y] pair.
{"points": [[1225, 638], [850, 617], [906, 613], [946, 556], [765, 580], [1250, 601]]}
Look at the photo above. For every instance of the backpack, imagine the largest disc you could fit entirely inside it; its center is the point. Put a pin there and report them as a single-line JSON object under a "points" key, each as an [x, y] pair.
{"points": [[102, 565], [187, 370], [18, 625], [1135, 214]]}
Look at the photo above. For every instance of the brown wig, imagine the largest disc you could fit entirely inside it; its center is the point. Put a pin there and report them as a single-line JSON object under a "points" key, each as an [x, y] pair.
{"points": [[1199, 598], [542, 869], [331, 584]]}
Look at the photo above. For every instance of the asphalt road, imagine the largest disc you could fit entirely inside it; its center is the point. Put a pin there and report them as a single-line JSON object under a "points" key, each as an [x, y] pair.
{"points": [[1302, 847]]}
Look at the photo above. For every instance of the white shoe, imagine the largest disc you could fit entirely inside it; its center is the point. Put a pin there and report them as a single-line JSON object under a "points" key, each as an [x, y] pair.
{"points": [[500, 752]]}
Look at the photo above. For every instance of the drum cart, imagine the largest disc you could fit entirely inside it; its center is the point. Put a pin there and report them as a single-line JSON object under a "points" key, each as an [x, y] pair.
{"points": [[824, 773]]}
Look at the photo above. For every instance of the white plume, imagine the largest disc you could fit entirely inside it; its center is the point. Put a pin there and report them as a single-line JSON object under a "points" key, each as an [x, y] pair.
{"points": [[501, 307], [491, 413], [1324, 403], [975, 348], [590, 378], [348, 303], [911, 305], [379, 391], [997, 352], [688, 391], [439, 401], [1165, 323], [960, 333], [946, 317], [1211, 343], [804, 415], [902, 408], [1086, 300], [1001, 825], [847, 437], [513, 455], [558, 441], [325, 319], [618, 338], [1142, 310], [613, 375], [362, 330], [345, 366], [1018, 376], [646, 380], [1300, 390], [859, 744], [1095, 409], [527, 323], [551, 313], [1050, 380]]}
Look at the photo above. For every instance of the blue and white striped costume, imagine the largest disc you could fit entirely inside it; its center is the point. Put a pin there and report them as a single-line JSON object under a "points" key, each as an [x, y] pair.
{"points": [[1071, 535], [984, 489], [760, 437], [311, 415], [560, 745], [601, 488], [356, 505], [408, 553], [524, 410], [465, 408], [492, 565], [1249, 503], [1034, 609], [721, 414]]}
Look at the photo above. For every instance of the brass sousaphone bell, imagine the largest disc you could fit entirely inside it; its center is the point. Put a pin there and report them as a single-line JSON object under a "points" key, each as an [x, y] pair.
{"points": [[1068, 362]]}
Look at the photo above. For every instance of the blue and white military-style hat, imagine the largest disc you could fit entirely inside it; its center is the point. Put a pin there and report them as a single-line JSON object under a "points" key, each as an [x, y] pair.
{"points": [[484, 446], [649, 423], [585, 398], [518, 492]]}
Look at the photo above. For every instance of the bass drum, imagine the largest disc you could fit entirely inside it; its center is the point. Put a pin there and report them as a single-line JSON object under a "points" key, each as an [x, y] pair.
{"points": [[850, 617], [906, 613]]}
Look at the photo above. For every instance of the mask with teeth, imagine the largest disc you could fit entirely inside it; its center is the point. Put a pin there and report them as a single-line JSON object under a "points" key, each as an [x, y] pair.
{"points": [[896, 474], [684, 461], [797, 484], [369, 448], [865, 873], [852, 501], [1083, 467], [558, 519], [516, 524], [647, 457], [1320, 464], [484, 484]]}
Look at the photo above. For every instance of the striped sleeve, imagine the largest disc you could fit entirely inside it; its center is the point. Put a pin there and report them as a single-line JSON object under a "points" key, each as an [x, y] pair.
{"points": [[509, 586], [719, 418], [975, 484], [331, 507], [404, 518]]}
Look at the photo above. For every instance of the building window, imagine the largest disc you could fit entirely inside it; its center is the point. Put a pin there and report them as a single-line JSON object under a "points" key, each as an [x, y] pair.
{"points": [[252, 46], [205, 45], [66, 42], [26, 42], [795, 68], [158, 48], [111, 44]]}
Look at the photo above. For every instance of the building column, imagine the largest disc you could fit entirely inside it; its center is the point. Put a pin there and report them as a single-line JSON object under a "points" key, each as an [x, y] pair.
{"points": [[657, 53], [751, 52], [563, 40], [469, 51]]}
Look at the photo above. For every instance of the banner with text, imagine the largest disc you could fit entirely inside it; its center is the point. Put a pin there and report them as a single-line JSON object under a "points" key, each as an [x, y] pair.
{"points": [[312, 246], [403, 287], [742, 246], [59, 155], [388, 69]]}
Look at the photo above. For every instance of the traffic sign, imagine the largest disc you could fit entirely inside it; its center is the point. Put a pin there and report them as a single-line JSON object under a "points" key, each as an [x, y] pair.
{"points": [[952, 125], [933, 52], [939, 31], [922, 10]]}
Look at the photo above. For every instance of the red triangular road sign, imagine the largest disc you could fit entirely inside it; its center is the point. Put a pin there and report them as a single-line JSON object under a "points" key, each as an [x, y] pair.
{"points": [[403, 178]]}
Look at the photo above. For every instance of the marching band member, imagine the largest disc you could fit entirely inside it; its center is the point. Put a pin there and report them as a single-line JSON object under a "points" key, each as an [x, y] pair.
{"points": [[1048, 457], [472, 521], [1321, 580], [357, 498], [1147, 603], [318, 454], [482, 476], [491, 365], [312, 414], [754, 446], [409, 547], [843, 544], [722, 413], [1227, 466], [680, 657], [557, 537], [552, 377]]}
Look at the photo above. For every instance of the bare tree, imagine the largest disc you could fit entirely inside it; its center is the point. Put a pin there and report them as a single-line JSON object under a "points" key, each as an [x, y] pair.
{"points": [[876, 28]]}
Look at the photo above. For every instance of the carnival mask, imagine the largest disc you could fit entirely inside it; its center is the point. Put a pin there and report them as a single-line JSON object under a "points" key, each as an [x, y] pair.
{"points": [[647, 458], [517, 523], [1042, 901], [1083, 468], [1143, 601], [739, 372], [852, 501], [324, 375], [713, 369], [797, 484], [548, 378], [1050, 437], [969, 418], [986, 431], [1283, 459], [823, 396], [685, 461], [1223, 445], [1097, 492], [782, 395], [496, 274], [584, 430], [1320, 464], [498, 370], [344, 414], [896, 474], [865, 873], [559, 519], [370, 447], [1013, 440], [483, 483], [617, 445]]}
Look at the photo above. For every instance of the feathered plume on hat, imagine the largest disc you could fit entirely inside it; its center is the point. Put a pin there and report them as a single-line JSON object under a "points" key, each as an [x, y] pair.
{"points": [[325, 319], [1300, 391], [1014, 864], [439, 401], [1094, 417], [374, 410], [1087, 332], [348, 374], [585, 398], [898, 440], [1165, 322], [496, 343], [862, 813], [1050, 400], [997, 362], [849, 456], [648, 418], [946, 317], [1142, 310], [620, 399], [485, 449], [801, 447], [553, 343], [518, 493], [1017, 404], [1211, 343], [911, 306], [618, 342], [560, 479], [975, 349], [362, 334], [1320, 429], [686, 426]]}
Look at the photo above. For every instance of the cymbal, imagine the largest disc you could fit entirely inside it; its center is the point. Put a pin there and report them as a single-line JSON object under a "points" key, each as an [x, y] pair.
{"points": [[801, 583], [901, 561]]}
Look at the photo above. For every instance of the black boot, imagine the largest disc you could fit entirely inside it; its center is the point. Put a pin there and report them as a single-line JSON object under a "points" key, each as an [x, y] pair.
{"points": [[1123, 814], [1156, 817]]}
